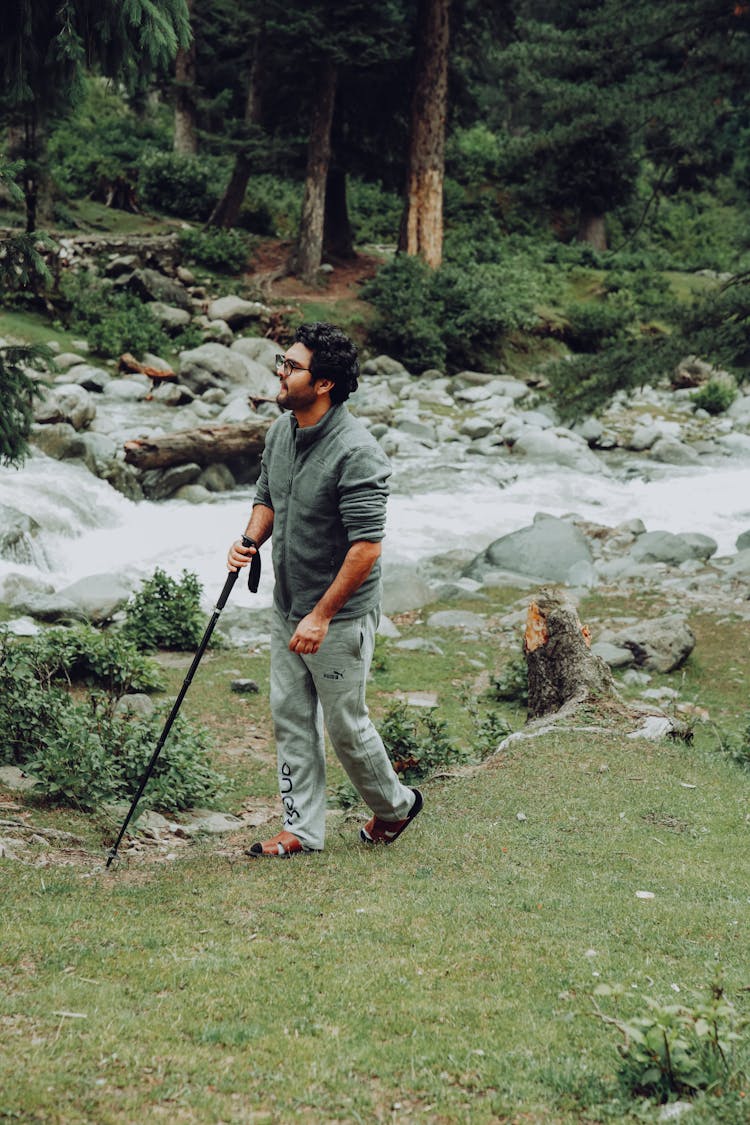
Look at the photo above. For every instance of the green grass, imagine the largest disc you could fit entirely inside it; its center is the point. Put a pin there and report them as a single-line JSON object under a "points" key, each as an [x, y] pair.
{"points": [[446, 979]]}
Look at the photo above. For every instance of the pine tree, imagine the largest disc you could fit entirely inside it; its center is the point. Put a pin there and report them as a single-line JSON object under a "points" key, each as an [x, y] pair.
{"points": [[45, 48]]}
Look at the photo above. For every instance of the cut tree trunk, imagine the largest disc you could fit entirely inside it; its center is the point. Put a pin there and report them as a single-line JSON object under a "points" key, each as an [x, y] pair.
{"points": [[308, 253], [563, 671], [207, 445], [422, 221]]}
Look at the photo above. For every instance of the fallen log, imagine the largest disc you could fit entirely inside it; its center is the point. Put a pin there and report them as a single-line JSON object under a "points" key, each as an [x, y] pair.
{"points": [[563, 671], [207, 445]]}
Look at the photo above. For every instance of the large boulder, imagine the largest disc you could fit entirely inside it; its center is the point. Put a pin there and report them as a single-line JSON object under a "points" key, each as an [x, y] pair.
{"points": [[663, 547], [213, 365], [548, 549], [58, 440], [236, 312], [259, 348], [98, 596], [151, 285], [69, 403], [660, 645], [559, 446]]}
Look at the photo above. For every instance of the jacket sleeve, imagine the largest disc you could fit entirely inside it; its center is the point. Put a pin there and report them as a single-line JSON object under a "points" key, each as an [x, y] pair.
{"points": [[363, 493], [262, 491]]}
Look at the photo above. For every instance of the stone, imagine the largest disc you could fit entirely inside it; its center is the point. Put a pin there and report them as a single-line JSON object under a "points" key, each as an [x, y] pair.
{"points": [[403, 589], [18, 532], [244, 687], [661, 546], [50, 608], [66, 403], [158, 484], [217, 478], [128, 388], [419, 644], [614, 655], [546, 549], [702, 546], [474, 428], [237, 312], [383, 365], [562, 447], [740, 565], [673, 452], [742, 542], [154, 286], [170, 317], [643, 437], [259, 348], [98, 596], [93, 379], [660, 645], [219, 332], [136, 705], [213, 365], [58, 440], [457, 619]]}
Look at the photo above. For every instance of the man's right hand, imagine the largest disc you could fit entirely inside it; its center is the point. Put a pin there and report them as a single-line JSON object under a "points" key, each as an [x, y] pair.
{"points": [[239, 556]]}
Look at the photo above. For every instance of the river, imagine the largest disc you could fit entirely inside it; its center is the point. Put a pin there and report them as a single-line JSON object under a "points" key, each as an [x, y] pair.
{"points": [[435, 506]]}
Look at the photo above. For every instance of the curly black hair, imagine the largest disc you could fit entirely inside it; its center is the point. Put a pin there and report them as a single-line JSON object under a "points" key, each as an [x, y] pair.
{"points": [[334, 357]]}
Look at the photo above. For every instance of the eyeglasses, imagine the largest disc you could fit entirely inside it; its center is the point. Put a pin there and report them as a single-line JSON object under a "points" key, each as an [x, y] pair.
{"points": [[288, 366]]}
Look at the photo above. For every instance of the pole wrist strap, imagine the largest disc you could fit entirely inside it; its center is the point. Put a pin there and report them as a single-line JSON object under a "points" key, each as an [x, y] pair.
{"points": [[253, 573]]}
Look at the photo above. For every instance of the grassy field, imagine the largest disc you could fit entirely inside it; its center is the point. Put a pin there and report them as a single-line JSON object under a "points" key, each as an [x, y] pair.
{"points": [[449, 978]]}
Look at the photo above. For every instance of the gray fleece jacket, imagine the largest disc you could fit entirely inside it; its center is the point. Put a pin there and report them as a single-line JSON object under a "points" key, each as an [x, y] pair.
{"points": [[327, 487]]}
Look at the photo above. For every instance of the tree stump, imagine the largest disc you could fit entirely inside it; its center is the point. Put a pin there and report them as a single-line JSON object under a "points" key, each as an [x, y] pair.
{"points": [[563, 671]]}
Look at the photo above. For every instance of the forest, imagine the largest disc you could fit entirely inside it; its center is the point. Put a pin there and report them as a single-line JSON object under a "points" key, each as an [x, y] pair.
{"points": [[535, 180]]}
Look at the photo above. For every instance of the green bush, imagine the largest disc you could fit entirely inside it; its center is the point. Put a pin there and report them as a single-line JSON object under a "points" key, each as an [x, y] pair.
{"points": [[271, 207], [511, 685], [417, 744], [226, 251], [187, 186], [102, 142], [112, 321], [717, 326], [165, 613], [78, 749], [452, 317], [374, 212], [716, 396], [591, 325]]}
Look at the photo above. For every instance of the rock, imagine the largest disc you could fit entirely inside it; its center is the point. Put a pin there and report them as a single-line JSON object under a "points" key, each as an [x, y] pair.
{"points": [[474, 428], [562, 447], [383, 365], [590, 429], [128, 388], [614, 655], [237, 312], [423, 431], [547, 549], [457, 619], [702, 546], [259, 348], [660, 645], [65, 360], [11, 777], [193, 494], [419, 644], [170, 317], [403, 589], [154, 286], [212, 823], [213, 365], [217, 478], [98, 596], [661, 546], [740, 565], [742, 542], [652, 728], [17, 535], [66, 403], [643, 437], [172, 394], [158, 484], [218, 332], [245, 687], [136, 705], [93, 379], [58, 440], [673, 452], [50, 608], [581, 573]]}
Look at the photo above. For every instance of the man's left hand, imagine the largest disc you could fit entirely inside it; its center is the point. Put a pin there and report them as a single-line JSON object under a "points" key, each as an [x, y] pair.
{"points": [[309, 635]]}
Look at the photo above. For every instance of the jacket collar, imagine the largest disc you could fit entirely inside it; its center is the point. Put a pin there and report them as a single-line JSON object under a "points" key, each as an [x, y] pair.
{"points": [[307, 435]]}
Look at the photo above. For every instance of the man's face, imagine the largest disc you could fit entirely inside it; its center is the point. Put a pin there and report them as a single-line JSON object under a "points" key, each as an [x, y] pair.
{"points": [[296, 389]]}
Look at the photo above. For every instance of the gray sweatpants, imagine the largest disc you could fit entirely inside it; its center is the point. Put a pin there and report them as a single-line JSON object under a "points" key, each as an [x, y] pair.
{"points": [[328, 687]]}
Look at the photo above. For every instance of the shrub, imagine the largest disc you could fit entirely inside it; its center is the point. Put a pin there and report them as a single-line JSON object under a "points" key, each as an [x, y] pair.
{"points": [[76, 747], [591, 325], [454, 316], [417, 744], [717, 395], [374, 212], [112, 321], [271, 207], [181, 185], [226, 251], [512, 684], [165, 612], [673, 1050]]}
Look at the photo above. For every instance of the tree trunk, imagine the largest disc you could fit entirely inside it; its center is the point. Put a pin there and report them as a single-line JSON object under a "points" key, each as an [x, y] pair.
{"points": [[27, 142], [227, 210], [185, 134], [338, 237], [307, 254], [562, 669], [592, 229], [422, 221], [207, 445]]}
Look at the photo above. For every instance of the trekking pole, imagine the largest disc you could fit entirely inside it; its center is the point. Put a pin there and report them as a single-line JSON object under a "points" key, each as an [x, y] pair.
{"points": [[253, 579]]}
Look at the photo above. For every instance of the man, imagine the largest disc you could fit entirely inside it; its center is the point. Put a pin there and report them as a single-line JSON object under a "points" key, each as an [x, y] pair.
{"points": [[322, 492]]}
